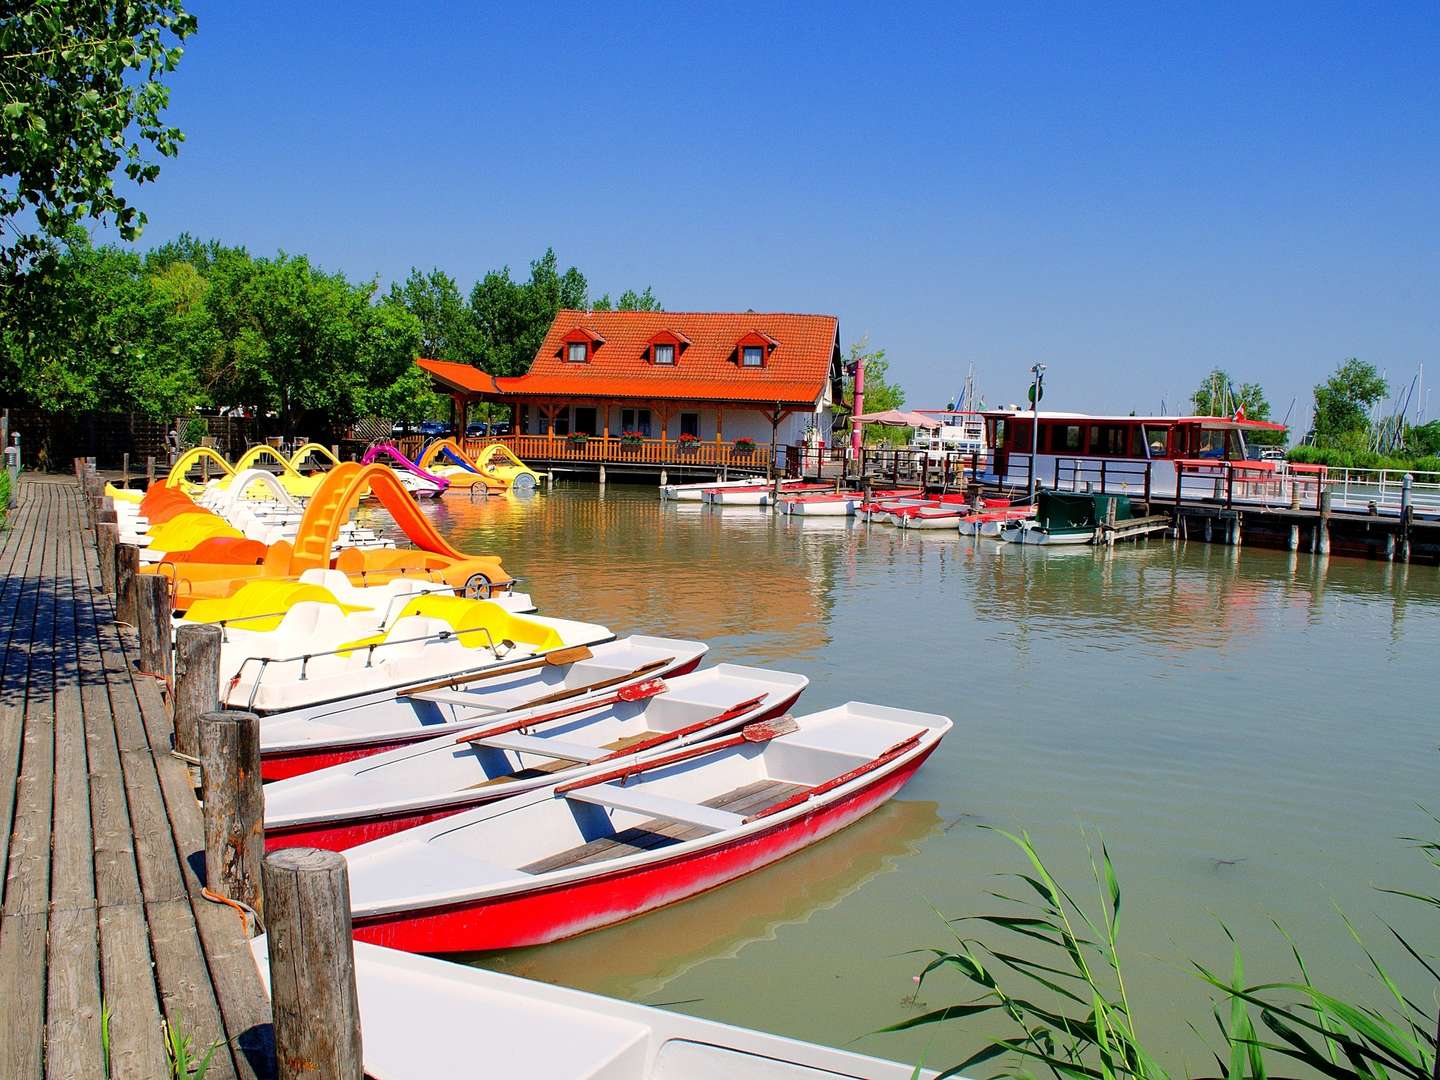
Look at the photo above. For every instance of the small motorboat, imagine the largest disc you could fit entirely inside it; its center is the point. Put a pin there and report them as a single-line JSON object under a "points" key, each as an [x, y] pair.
{"points": [[424, 1018], [820, 504], [510, 753], [694, 492], [594, 851], [762, 495], [313, 737], [1063, 517], [326, 652]]}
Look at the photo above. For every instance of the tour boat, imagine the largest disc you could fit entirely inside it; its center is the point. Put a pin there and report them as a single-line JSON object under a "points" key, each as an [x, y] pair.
{"points": [[820, 504], [317, 652], [302, 740], [695, 492], [761, 495], [423, 1018], [506, 754], [586, 853]]}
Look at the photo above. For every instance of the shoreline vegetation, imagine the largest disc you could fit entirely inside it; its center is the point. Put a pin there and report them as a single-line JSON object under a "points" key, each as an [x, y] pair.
{"points": [[1056, 976]]}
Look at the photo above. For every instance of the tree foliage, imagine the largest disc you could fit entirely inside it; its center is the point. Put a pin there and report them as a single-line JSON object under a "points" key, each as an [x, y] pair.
{"points": [[629, 300], [447, 331], [511, 317], [82, 97], [1217, 395], [1343, 403], [880, 392]]}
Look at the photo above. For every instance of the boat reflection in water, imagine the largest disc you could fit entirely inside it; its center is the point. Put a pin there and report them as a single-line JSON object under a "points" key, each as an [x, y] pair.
{"points": [[636, 959]]}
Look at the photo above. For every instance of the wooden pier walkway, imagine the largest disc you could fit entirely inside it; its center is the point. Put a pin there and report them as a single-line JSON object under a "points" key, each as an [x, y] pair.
{"points": [[101, 841]]}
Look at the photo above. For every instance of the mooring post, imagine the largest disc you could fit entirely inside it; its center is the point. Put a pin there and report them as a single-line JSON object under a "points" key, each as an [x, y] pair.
{"points": [[152, 620], [127, 565], [197, 682], [1294, 537], [1323, 539], [602, 475], [149, 471], [312, 965], [1110, 522], [664, 478], [1235, 525], [1407, 516], [234, 806], [107, 539]]}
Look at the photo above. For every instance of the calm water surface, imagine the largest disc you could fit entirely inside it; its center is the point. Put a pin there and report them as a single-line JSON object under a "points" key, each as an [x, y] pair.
{"points": [[1249, 730]]}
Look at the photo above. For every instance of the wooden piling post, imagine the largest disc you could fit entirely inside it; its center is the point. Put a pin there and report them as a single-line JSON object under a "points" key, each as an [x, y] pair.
{"points": [[152, 620], [1235, 526], [1407, 516], [125, 469], [1323, 538], [312, 965], [234, 806], [107, 539], [127, 565], [149, 471], [1294, 537], [197, 682]]}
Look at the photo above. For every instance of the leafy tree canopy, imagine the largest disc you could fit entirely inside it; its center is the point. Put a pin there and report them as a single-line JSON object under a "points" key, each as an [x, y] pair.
{"points": [[1343, 402], [511, 317], [629, 300], [81, 96], [447, 332], [880, 392], [1217, 395]]}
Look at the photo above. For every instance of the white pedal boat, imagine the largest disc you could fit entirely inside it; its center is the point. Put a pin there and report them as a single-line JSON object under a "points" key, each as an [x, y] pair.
{"points": [[317, 653], [367, 798], [318, 736], [422, 1019], [693, 492], [594, 851]]}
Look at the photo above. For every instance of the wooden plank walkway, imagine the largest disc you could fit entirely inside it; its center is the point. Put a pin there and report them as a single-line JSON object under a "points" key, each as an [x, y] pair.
{"points": [[101, 840]]}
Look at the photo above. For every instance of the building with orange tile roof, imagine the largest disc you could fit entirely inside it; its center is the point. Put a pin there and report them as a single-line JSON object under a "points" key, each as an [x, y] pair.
{"points": [[658, 387]]}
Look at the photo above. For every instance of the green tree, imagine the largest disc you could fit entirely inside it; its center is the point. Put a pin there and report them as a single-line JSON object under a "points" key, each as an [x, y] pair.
{"points": [[1424, 438], [1217, 395], [511, 317], [629, 300], [1343, 403], [81, 96], [446, 330]]}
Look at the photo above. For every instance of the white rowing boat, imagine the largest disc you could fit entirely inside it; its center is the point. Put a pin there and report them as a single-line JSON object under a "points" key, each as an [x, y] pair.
{"points": [[423, 1018], [693, 492], [301, 740], [366, 798], [560, 861]]}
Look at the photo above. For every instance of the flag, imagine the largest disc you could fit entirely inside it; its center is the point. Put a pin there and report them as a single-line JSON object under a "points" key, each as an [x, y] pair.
{"points": [[1239, 412]]}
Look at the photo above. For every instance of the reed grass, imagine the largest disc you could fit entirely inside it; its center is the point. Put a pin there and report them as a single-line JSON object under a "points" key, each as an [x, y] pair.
{"points": [[1066, 1012]]}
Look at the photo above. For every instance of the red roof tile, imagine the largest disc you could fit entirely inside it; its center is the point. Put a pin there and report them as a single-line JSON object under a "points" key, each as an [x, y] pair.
{"points": [[706, 369]]}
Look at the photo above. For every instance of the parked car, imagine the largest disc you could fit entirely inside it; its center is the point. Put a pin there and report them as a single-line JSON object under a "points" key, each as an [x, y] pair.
{"points": [[404, 427], [1272, 453], [479, 427], [434, 428], [502, 428]]}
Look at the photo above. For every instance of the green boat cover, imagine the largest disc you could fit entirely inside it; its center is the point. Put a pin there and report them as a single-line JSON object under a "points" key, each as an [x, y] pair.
{"points": [[1065, 511]]}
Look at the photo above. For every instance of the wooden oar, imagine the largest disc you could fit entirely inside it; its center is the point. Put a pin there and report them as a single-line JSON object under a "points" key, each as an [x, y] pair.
{"points": [[554, 658], [641, 691], [738, 709], [614, 680], [760, 731]]}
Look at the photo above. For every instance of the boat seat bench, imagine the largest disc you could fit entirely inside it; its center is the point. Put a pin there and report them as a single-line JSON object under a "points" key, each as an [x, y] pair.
{"points": [[550, 748], [640, 801], [658, 832]]}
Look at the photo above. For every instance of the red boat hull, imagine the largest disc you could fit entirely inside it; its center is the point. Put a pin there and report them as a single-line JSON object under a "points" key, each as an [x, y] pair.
{"points": [[564, 910], [339, 835], [283, 764]]}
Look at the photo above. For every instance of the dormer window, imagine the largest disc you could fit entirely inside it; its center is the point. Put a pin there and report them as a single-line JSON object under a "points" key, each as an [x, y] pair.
{"points": [[664, 354], [580, 345], [752, 356], [666, 346], [754, 349]]}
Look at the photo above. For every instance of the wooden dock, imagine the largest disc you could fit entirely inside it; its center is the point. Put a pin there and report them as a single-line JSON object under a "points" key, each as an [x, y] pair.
{"points": [[101, 840]]}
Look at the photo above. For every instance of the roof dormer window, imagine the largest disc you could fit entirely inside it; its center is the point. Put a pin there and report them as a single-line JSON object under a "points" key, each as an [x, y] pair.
{"points": [[752, 356], [754, 349], [664, 348], [580, 345], [664, 354], [578, 352]]}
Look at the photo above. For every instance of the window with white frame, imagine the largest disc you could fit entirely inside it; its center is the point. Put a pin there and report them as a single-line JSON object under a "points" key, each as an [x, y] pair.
{"points": [[665, 354], [577, 352]]}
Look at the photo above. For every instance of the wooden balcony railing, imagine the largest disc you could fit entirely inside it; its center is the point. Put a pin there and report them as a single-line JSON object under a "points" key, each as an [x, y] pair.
{"points": [[616, 451]]}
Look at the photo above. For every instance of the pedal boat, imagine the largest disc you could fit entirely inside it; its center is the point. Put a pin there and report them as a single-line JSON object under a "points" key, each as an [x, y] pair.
{"points": [[557, 862], [362, 800]]}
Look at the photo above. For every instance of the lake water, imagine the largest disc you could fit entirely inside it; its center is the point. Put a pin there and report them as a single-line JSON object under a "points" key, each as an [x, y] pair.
{"points": [[1250, 731]]}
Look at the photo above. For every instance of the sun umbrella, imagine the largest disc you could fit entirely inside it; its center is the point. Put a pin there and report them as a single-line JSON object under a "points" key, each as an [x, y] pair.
{"points": [[898, 418]]}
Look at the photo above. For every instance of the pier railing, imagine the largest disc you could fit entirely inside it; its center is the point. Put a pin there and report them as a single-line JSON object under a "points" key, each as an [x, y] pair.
{"points": [[614, 450]]}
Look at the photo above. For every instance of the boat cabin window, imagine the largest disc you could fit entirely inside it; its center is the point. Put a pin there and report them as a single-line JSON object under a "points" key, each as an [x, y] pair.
{"points": [[1071, 439], [1109, 440], [1156, 438], [1210, 443]]}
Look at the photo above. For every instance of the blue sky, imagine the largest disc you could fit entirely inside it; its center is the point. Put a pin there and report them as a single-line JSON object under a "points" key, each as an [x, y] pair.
{"points": [[1128, 194]]}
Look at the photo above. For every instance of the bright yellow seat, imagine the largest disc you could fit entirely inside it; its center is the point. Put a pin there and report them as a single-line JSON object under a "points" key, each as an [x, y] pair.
{"points": [[472, 620], [260, 605]]}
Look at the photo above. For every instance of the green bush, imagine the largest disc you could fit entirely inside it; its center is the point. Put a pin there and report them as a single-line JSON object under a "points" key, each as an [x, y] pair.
{"points": [[4, 495], [1362, 459]]}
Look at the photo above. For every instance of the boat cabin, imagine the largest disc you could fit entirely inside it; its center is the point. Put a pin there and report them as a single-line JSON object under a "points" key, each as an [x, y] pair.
{"points": [[1111, 453], [960, 431]]}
